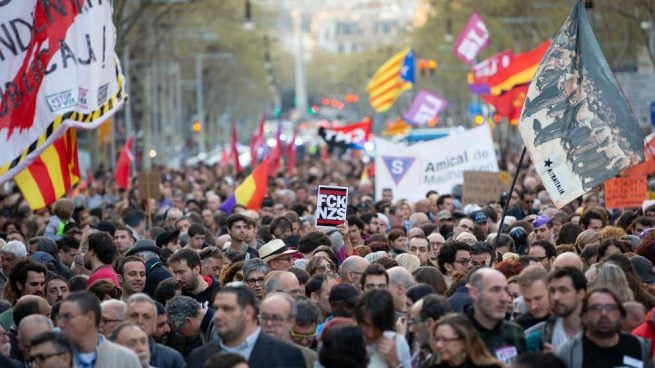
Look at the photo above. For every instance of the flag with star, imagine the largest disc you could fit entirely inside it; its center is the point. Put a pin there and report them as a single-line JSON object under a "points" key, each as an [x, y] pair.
{"points": [[576, 123]]}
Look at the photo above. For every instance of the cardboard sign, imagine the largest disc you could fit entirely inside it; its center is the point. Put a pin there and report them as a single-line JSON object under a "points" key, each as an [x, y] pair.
{"points": [[483, 187], [625, 192], [331, 206], [149, 184]]}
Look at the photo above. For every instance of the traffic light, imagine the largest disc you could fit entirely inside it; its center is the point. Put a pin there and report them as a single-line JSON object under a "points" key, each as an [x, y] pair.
{"points": [[351, 98], [312, 110], [196, 127], [427, 65]]}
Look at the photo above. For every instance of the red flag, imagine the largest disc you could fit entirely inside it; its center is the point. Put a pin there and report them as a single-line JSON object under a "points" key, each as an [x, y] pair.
{"points": [[291, 153], [122, 173], [225, 156], [257, 141], [276, 154], [510, 103], [235, 152]]}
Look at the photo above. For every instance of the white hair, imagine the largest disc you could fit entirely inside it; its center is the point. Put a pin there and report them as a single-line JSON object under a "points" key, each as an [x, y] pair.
{"points": [[16, 248]]}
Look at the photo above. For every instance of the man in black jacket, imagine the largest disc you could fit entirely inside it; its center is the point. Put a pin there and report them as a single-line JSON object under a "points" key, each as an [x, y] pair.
{"points": [[235, 320]]}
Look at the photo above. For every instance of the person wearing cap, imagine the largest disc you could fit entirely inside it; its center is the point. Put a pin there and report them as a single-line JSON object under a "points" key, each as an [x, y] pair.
{"points": [[155, 271], [169, 240], [277, 315], [124, 239], [480, 218], [643, 268], [276, 255], [444, 217], [542, 226]]}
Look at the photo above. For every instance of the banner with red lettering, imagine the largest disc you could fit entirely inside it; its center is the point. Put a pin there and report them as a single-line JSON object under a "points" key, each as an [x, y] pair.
{"points": [[350, 136], [58, 70]]}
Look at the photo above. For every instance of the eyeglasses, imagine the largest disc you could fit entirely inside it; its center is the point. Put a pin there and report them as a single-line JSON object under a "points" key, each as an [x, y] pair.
{"points": [[256, 281], [540, 258], [446, 339], [299, 335], [273, 319], [597, 308], [40, 358], [464, 261]]}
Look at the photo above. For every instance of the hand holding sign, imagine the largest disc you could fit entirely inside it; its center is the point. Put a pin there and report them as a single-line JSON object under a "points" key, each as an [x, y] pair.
{"points": [[331, 206]]}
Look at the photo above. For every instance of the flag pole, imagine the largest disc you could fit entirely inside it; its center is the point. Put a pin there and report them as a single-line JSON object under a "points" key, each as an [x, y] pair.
{"points": [[506, 207]]}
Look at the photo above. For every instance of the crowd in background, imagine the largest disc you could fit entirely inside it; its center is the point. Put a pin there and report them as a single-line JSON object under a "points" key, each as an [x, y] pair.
{"points": [[109, 278]]}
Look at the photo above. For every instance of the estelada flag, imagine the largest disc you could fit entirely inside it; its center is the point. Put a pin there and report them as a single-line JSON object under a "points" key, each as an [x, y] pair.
{"points": [[122, 172], [576, 123], [52, 174], [394, 76]]}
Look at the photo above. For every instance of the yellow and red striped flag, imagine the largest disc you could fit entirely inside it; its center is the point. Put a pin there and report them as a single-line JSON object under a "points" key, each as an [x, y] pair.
{"points": [[394, 76], [52, 174]]}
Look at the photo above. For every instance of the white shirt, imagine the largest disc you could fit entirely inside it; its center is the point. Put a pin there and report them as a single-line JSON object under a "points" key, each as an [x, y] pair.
{"points": [[402, 352]]}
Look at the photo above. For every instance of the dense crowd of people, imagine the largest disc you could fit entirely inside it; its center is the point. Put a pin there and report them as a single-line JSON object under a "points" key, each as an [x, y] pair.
{"points": [[109, 278]]}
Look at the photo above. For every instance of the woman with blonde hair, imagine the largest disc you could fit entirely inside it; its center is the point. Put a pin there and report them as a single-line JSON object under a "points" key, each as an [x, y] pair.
{"points": [[456, 344], [611, 276], [587, 237], [408, 261]]}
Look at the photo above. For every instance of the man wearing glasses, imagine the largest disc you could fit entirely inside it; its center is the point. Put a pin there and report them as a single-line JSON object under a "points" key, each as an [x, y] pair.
{"points": [[277, 255], [454, 256], [602, 344], [276, 316], [51, 350]]}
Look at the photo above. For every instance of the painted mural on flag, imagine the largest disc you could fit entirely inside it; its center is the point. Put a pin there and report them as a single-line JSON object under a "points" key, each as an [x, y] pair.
{"points": [[411, 171], [576, 123], [57, 70]]}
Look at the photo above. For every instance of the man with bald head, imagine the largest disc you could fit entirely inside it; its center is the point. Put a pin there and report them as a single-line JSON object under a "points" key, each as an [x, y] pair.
{"points": [[28, 328], [351, 271], [400, 280], [567, 259], [283, 282], [490, 294], [277, 315], [25, 306]]}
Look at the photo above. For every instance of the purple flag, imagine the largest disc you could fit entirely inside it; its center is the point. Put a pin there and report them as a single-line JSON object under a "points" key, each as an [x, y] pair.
{"points": [[426, 105], [473, 39]]}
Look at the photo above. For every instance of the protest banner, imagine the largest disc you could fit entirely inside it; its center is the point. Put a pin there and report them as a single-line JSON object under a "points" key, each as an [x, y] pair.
{"points": [[57, 70], [625, 192], [484, 187], [411, 171], [350, 136], [331, 205], [576, 123], [426, 105], [473, 38], [149, 184]]}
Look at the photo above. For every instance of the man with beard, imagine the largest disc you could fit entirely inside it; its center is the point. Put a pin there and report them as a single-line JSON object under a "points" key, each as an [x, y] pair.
{"points": [[238, 227], [132, 274], [490, 294], [603, 344], [567, 287], [186, 268], [27, 278], [236, 322], [56, 289]]}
